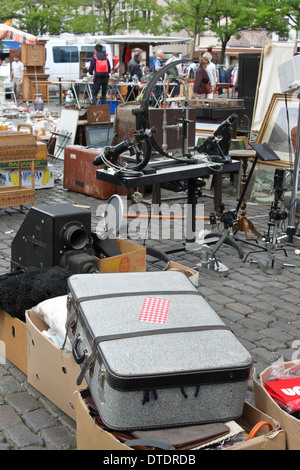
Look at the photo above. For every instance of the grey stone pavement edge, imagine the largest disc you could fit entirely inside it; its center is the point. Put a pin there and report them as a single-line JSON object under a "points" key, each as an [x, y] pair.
{"points": [[261, 309]]}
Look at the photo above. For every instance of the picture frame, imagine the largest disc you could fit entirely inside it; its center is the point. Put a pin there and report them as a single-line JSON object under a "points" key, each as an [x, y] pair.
{"points": [[262, 191], [278, 123], [66, 132]]}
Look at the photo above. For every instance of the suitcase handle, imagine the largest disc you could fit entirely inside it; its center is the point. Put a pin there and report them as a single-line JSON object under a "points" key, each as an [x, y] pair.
{"points": [[78, 359], [25, 125]]}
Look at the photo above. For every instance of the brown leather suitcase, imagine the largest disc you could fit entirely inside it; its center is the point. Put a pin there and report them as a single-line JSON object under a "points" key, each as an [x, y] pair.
{"points": [[80, 173]]}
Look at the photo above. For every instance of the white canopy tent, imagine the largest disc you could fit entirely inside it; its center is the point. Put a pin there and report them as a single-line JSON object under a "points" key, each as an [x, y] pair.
{"points": [[123, 39], [141, 41]]}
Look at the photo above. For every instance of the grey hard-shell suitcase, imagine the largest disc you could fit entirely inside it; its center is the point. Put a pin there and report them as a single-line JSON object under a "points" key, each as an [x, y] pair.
{"points": [[153, 352]]}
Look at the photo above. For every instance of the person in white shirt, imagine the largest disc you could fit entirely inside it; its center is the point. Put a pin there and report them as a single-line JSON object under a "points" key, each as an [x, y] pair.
{"points": [[17, 71], [175, 71], [211, 69]]}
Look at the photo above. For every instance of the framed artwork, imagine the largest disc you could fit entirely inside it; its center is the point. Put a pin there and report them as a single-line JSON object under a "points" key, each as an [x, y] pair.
{"points": [[66, 132], [201, 135], [262, 188], [280, 118]]}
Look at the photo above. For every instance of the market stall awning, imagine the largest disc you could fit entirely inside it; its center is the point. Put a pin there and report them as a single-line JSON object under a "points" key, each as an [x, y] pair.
{"points": [[10, 44], [130, 39], [8, 32]]}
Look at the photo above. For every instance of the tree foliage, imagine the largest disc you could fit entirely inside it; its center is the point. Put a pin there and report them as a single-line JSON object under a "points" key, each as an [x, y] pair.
{"points": [[83, 16], [285, 8], [227, 18], [223, 17], [190, 16]]}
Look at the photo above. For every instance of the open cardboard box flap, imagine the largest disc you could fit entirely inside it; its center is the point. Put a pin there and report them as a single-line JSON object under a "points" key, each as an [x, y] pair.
{"points": [[265, 403]]}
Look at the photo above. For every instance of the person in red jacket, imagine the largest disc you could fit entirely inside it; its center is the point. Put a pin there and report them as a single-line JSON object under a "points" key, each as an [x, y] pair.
{"points": [[101, 68]]}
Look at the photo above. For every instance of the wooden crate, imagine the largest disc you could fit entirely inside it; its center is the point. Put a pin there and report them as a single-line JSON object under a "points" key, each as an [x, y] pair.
{"points": [[33, 55]]}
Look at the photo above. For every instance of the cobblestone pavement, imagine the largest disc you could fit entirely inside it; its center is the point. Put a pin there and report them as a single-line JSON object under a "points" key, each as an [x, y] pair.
{"points": [[261, 309]]}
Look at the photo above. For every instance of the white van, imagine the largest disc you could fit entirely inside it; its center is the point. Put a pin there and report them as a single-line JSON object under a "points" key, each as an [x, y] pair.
{"points": [[66, 61]]}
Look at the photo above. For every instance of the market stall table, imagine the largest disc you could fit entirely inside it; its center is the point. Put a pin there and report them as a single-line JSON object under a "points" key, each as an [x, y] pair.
{"points": [[177, 172], [118, 88]]}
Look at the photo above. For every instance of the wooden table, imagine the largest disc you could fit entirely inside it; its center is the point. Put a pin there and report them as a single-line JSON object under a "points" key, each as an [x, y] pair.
{"points": [[244, 225], [59, 84], [227, 87]]}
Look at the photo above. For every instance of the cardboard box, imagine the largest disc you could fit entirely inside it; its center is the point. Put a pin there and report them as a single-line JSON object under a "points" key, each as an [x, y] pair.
{"points": [[13, 340], [265, 439], [41, 152], [91, 437], [97, 114], [131, 259], [265, 403], [43, 178], [51, 370], [192, 274]]}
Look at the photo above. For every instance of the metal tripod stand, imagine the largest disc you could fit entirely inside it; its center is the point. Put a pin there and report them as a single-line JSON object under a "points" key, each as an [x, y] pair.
{"points": [[276, 215], [210, 264], [290, 236]]}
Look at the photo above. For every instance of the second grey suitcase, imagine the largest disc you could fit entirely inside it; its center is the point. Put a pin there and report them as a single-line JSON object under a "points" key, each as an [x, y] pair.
{"points": [[153, 352]]}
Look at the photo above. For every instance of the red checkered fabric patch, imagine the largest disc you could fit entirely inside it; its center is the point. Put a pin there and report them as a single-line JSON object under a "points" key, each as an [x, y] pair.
{"points": [[155, 310]]}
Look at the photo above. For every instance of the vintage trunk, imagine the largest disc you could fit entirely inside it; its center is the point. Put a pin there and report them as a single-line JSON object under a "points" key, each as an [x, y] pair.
{"points": [[153, 352], [80, 173]]}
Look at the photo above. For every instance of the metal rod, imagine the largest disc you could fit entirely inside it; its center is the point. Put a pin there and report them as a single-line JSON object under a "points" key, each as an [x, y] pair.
{"points": [[172, 217]]}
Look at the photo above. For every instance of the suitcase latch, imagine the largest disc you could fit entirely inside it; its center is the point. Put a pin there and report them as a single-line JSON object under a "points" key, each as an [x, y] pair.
{"points": [[101, 380]]}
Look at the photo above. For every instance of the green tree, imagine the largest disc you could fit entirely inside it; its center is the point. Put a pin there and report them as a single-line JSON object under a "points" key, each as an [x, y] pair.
{"points": [[8, 10], [41, 17], [286, 8], [189, 16], [149, 17], [83, 16], [227, 19], [142, 15]]}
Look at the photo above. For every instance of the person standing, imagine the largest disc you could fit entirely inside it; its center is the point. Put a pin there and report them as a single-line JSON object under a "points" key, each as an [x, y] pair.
{"points": [[99, 67], [201, 79], [17, 73], [135, 71], [158, 64], [211, 69], [174, 72]]}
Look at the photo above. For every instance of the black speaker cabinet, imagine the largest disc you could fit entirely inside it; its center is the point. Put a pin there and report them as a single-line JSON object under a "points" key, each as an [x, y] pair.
{"points": [[50, 235], [247, 83]]}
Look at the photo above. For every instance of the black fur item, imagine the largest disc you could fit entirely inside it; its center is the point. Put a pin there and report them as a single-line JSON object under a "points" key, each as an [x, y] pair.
{"points": [[23, 289]]}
